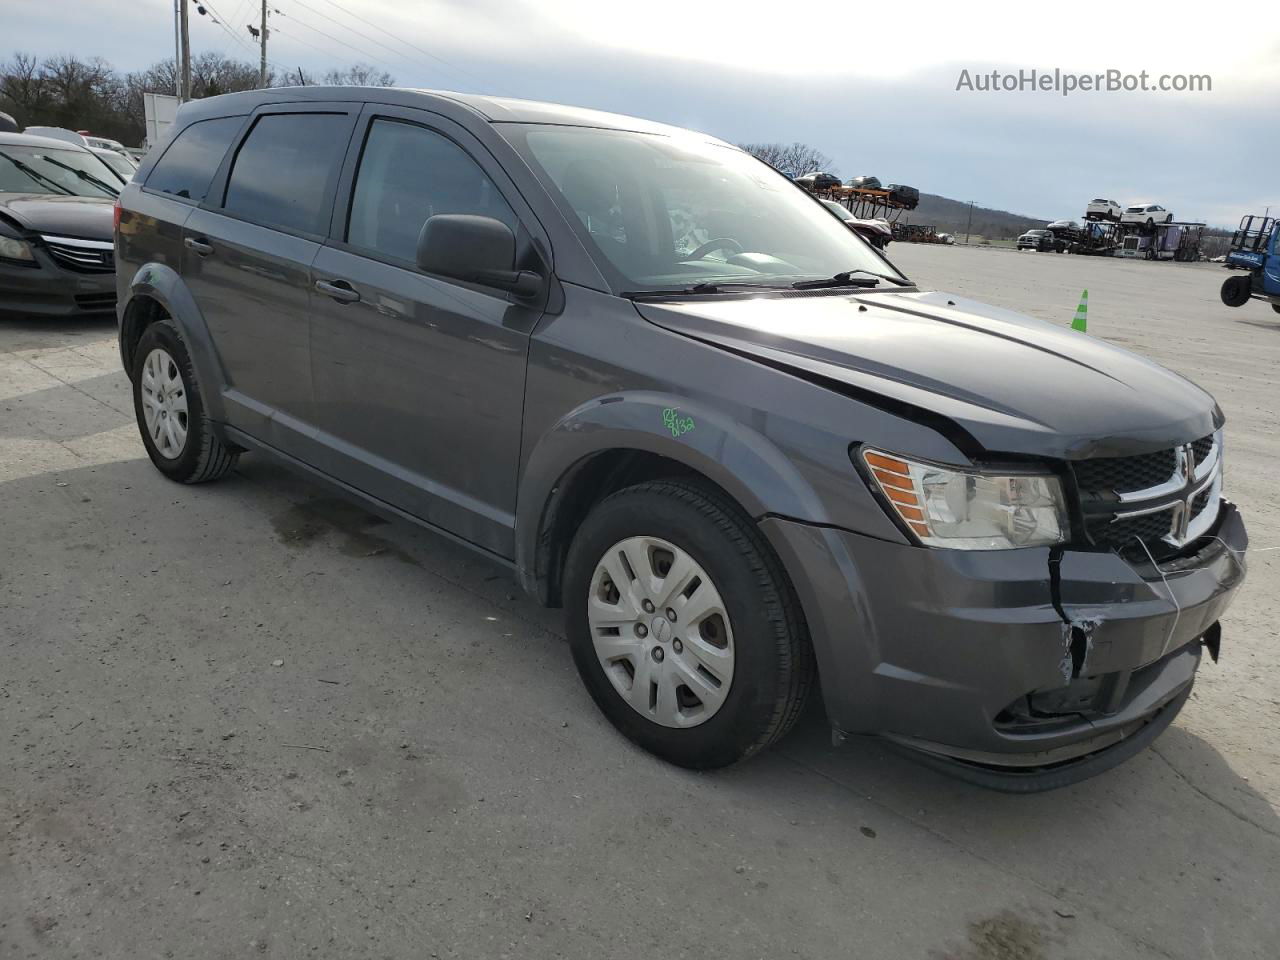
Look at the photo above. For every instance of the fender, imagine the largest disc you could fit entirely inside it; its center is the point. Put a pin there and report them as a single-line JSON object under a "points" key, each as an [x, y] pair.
{"points": [[742, 461], [162, 283]]}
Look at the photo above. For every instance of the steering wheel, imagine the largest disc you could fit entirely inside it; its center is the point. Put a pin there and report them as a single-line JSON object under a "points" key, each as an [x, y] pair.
{"points": [[720, 243]]}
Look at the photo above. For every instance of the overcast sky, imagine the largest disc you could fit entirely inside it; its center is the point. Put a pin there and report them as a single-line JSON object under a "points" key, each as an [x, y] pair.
{"points": [[885, 104]]}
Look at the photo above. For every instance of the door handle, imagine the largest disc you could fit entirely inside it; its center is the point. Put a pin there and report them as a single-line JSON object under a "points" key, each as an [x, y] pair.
{"points": [[339, 290], [199, 246]]}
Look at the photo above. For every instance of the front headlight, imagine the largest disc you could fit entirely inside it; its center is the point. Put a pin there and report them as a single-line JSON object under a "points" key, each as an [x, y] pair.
{"points": [[12, 248], [968, 510]]}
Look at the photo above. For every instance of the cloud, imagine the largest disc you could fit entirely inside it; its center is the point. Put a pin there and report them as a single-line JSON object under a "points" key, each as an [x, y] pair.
{"points": [[873, 89]]}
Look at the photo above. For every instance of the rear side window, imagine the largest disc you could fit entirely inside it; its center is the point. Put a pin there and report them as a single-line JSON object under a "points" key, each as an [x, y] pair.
{"points": [[188, 165], [407, 175], [286, 169]]}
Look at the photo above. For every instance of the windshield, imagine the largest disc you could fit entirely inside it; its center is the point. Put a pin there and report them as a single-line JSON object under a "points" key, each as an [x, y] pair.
{"points": [[839, 210], [119, 164], [659, 212], [50, 170]]}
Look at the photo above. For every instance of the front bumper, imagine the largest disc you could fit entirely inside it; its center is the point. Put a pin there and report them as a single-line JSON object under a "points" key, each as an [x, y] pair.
{"points": [[1015, 659], [52, 290]]}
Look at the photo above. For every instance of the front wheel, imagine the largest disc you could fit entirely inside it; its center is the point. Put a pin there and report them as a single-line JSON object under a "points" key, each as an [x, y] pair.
{"points": [[683, 625], [1235, 290]]}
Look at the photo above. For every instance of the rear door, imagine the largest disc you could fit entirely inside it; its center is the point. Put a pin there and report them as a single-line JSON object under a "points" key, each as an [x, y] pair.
{"points": [[247, 261], [419, 380]]}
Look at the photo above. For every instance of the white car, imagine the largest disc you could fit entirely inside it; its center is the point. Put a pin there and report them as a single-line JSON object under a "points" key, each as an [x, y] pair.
{"points": [[105, 143], [120, 163], [57, 133], [1147, 213], [1099, 209]]}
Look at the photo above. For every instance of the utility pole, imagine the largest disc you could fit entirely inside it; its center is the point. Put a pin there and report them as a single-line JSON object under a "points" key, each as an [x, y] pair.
{"points": [[186, 51], [969, 224], [262, 63], [177, 49]]}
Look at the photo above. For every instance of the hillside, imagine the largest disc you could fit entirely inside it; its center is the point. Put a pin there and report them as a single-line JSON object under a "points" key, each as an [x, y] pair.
{"points": [[950, 216]]}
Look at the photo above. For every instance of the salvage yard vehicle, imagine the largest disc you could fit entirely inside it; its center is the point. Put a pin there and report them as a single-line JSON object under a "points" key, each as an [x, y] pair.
{"points": [[55, 228], [904, 196], [745, 468], [1255, 248], [818, 181], [875, 232], [1099, 209], [1148, 214], [1041, 241]]}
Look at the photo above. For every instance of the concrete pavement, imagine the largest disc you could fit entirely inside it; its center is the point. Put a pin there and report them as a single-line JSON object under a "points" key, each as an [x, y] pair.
{"points": [[423, 775]]}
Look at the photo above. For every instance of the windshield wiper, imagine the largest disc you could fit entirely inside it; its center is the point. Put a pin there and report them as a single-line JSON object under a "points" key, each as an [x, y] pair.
{"points": [[849, 278], [36, 175], [86, 176], [699, 289]]}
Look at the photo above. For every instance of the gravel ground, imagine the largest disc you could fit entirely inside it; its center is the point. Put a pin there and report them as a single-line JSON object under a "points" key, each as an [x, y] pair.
{"points": [[249, 719]]}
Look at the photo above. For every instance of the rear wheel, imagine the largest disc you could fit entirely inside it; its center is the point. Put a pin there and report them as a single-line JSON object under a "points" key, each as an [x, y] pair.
{"points": [[170, 410], [1235, 290], [683, 625]]}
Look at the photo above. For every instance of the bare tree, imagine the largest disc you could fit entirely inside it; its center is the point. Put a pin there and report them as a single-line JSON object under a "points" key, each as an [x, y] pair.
{"points": [[22, 88], [793, 160], [359, 75], [88, 94]]}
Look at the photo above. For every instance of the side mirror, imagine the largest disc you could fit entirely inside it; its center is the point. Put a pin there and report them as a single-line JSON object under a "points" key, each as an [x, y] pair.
{"points": [[476, 249]]}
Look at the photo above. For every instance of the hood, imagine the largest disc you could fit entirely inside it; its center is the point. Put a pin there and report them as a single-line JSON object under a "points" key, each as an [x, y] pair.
{"points": [[1004, 382], [89, 218]]}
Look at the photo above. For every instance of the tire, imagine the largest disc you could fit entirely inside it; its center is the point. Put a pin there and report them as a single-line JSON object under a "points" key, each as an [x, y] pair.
{"points": [[771, 669], [1235, 290], [1151, 224], [201, 456], [1276, 307], [1169, 218]]}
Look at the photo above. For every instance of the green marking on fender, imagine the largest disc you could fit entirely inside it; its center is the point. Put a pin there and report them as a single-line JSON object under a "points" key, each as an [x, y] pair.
{"points": [[677, 424]]}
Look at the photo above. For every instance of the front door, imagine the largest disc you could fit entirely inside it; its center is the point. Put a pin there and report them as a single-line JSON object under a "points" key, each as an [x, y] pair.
{"points": [[247, 262], [419, 380]]}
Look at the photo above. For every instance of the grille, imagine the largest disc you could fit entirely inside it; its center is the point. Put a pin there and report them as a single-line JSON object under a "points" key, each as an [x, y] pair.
{"points": [[86, 256], [1200, 502], [1120, 534], [1202, 447], [1101, 479], [1122, 474], [96, 301]]}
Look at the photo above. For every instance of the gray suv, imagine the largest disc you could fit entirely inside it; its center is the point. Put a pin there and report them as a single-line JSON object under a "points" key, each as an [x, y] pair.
{"points": [[677, 397]]}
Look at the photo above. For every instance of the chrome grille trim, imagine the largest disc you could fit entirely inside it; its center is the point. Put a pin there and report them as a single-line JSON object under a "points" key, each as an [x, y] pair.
{"points": [[1185, 506], [90, 255], [78, 242]]}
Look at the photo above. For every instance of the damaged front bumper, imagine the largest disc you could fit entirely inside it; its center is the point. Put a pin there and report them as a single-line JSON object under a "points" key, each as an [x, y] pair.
{"points": [[1022, 661]]}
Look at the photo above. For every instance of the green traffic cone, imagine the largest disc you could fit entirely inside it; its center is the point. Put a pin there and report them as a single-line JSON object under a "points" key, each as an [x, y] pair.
{"points": [[1081, 319]]}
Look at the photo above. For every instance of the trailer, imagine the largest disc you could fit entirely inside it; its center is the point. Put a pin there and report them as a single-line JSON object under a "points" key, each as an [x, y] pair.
{"points": [[1178, 241], [916, 232], [888, 204], [1097, 238]]}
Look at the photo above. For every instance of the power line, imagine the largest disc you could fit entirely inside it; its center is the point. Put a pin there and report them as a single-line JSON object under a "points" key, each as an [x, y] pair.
{"points": [[337, 40], [227, 29], [425, 53], [343, 26], [276, 31]]}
